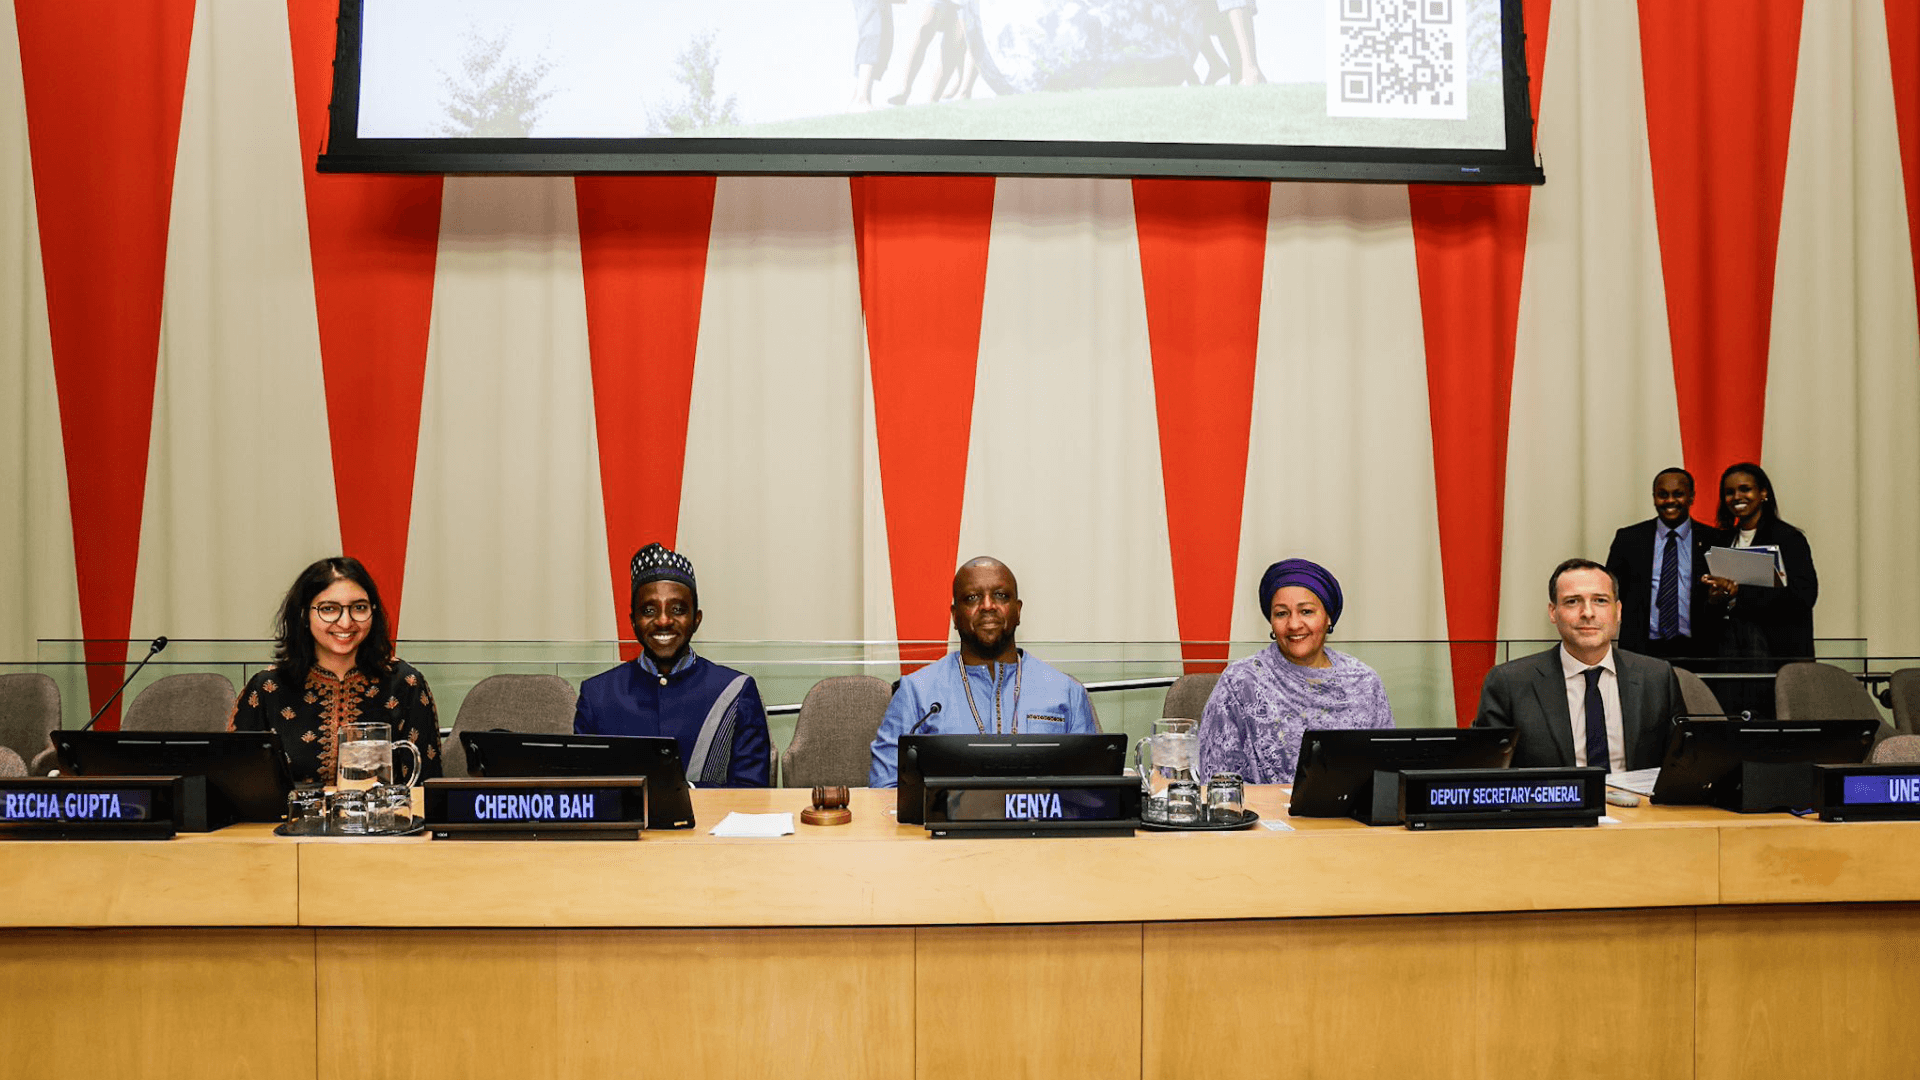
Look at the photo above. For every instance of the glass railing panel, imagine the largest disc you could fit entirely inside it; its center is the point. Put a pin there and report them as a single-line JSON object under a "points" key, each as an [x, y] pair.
{"points": [[1418, 675]]}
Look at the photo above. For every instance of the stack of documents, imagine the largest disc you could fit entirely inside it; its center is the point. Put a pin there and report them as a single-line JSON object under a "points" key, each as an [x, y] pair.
{"points": [[1639, 781], [1747, 566]]}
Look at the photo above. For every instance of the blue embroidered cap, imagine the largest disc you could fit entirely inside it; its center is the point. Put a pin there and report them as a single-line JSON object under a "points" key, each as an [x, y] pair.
{"points": [[655, 563]]}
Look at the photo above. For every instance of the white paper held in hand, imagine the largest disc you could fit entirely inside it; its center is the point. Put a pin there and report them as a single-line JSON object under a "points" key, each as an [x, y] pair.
{"points": [[1742, 566]]}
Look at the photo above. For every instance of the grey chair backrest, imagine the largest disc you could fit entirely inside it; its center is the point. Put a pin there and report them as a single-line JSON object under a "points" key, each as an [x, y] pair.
{"points": [[532, 703], [838, 719], [1898, 750], [1696, 695], [1187, 697], [29, 709], [192, 701], [1809, 690], [1905, 691], [10, 763]]}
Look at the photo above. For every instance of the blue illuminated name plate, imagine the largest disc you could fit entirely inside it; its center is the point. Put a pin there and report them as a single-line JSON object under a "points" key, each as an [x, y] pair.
{"points": [[89, 807], [1868, 792], [537, 808], [1034, 806], [1501, 798], [112, 804], [522, 807]]}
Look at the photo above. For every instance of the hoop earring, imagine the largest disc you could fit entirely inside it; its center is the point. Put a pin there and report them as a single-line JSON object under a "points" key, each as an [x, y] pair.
{"points": [[1272, 636]]}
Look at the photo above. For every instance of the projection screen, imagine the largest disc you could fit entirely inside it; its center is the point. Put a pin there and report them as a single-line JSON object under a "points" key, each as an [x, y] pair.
{"points": [[1393, 90]]}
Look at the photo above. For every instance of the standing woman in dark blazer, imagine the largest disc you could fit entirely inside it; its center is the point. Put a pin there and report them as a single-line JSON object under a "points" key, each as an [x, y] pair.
{"points": [[1776, 622]]}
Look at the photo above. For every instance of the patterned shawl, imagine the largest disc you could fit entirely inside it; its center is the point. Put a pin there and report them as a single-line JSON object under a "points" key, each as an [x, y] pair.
{"points": [[1262, 705]]}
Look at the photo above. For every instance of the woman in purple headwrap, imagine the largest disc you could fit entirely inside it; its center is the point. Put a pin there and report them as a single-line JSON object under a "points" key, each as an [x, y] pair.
{"points": [[1262, 704]]}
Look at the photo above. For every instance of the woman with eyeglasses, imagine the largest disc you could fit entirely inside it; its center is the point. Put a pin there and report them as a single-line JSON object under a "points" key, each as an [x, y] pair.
{"points": [[333, 665]]}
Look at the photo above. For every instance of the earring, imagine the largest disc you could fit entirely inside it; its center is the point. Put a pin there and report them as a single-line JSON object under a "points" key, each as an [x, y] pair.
{"points": [[1273, 635]]}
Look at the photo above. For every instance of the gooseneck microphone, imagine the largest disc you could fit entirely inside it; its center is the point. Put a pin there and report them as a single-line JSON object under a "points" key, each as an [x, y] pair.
{"points": [[152, 651], [923, 720]]}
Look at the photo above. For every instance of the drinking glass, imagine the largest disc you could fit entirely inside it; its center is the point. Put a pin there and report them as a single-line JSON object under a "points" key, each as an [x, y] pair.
{"points": [[349, 811], [1226, 798], [389, 809], [1183, 803], [307, 811]]}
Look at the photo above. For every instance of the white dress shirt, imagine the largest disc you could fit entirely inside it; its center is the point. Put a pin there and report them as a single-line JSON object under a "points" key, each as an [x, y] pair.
{"points": [[1609, 701]]}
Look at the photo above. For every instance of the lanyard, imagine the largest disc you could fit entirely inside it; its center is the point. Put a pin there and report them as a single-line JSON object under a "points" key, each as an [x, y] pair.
{"points": [[993, 670]]}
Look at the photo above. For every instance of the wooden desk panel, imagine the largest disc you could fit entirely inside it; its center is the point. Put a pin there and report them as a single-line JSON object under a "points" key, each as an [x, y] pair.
{"points": [[1790, 992], [156, 1003], [831, 1004], [1041, 1001], [876, 872], [934, 978], [239, 876], [1820, 862], [1575, 994]]}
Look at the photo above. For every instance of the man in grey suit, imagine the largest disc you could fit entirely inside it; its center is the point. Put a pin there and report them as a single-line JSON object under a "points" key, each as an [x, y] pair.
{"points": [[1583, 701]]}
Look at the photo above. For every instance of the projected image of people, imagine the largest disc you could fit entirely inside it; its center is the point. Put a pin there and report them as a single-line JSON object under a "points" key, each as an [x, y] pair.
{"points": [[1423, 74]]}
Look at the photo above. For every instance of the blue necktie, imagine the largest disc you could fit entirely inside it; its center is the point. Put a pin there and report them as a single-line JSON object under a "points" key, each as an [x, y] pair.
{"points": [[1667, 601], [1596, 722]]}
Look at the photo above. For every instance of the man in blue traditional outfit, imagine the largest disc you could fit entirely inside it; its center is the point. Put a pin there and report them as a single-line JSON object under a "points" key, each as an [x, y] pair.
{"points": [[990, 687], [713, 712]]}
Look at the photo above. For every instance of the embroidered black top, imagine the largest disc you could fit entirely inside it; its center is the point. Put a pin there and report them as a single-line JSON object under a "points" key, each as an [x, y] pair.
{"points": [[308, 718]]}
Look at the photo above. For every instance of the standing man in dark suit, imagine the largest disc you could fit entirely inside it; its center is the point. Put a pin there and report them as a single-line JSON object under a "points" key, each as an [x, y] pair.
{"points": [[1659, 563], [1583, 702]]}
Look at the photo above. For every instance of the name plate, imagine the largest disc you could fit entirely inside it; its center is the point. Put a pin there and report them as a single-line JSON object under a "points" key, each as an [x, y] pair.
{"points": [[91, 807], [537, 808], [1868, 792], [1502, 798], [1037, 806]]}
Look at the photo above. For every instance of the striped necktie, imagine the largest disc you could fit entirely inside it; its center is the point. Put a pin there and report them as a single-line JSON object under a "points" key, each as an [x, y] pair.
{"points": [[1667, 601]]}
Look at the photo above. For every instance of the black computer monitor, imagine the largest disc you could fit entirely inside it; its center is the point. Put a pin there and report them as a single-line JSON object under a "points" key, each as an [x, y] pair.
{"points": [[922, 756], [523, 753], [1335, 777], [1754, 766], [247, 774]]}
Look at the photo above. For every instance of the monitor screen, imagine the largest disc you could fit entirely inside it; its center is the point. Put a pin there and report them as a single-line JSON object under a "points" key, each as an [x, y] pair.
{"points": [[1018, 756], [1323, 89], [1335, 777], [1742, 764], [517, 753], [247, 773]]}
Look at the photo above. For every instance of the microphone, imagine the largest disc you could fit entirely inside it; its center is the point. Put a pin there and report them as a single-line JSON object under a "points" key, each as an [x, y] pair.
{"points": [[923, 720], [152, 651]]}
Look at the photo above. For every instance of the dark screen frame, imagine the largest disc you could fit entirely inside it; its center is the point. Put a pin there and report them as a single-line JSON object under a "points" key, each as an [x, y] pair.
{"points": [[346, 152]]}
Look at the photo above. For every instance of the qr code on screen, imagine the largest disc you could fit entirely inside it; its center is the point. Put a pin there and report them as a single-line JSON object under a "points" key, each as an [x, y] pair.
{"points": [[1402, 59]]}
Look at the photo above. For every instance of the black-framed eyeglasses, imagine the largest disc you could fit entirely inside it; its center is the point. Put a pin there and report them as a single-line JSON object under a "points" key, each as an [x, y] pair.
{"points": [[330, 612]]}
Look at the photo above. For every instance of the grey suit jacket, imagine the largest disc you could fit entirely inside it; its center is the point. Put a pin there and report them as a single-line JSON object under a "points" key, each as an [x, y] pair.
{"points": [[1529, 695]]}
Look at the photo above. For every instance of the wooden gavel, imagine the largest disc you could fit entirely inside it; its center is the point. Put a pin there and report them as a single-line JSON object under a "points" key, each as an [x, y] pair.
{"points": [[829, 806]]}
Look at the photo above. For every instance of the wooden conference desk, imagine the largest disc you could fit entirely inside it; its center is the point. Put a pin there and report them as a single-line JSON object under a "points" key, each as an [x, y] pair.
{"points": [[1676, 943]]}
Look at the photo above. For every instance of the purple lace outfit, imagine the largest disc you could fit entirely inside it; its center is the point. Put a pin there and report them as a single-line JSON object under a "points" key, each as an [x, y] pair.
{"points": [[1263, 703]]}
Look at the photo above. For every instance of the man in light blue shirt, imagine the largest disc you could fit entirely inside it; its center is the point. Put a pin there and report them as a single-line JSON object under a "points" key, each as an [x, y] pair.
{"points": [[989, 687]]}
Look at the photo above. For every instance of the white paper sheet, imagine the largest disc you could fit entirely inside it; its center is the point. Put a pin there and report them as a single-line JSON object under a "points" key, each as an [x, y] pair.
{"points": [[763, 826], [1639, 781]]}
